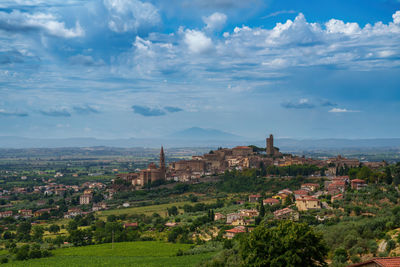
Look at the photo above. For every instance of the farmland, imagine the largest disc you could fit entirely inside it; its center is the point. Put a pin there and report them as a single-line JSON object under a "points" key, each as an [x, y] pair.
{"points": [[141, 253]]}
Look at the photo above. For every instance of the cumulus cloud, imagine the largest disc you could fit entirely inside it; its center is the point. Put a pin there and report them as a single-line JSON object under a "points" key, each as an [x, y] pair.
{"points": [[147, 111], [17, 21], [303, 103], [154, 112], [131, 15], [197, 41], [215, 21], [85, 110], [8, 113], [55, 113], [341, 110]]}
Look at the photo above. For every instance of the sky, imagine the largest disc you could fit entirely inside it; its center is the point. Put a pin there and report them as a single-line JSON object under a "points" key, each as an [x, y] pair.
{"points": [[134, 68]]}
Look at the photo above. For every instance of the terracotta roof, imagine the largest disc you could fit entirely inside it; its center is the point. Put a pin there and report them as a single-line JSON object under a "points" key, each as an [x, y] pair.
{"points": [[255, 195], [241, 147], [271, 200], [358, 181], [384, 262], [235, 231]]}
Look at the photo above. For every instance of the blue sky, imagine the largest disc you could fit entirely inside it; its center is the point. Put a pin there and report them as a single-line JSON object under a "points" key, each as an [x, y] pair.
{"points": [[133, 68]]}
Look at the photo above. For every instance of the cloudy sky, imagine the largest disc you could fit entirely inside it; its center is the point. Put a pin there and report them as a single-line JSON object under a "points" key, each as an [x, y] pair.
{"points": [[136, 68]]}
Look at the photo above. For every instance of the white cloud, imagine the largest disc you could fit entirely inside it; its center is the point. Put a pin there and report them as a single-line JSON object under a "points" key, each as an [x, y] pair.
{"points": [[338, 26], [216, 21], [341, 110], [17, 21], [131, 15], [396, 17], [197, 41]]}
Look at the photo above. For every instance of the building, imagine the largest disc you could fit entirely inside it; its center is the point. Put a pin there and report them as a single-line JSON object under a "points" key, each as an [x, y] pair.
{"points": [[286, 214], [310, 186], [231, 233], [271, 201], [85, 199], [336, 197], [242, 151], [379, 262], [357, 184], [5, 214], [131, 225], [254, 198], [307, 203], [25, 213], [73, 212], [270, 149], [232, 217], [249, 213], [300, 193], [219, 216]]}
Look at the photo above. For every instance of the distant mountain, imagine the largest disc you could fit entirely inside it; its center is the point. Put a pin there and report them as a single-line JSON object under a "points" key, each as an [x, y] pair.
{"points": [[199, 137], [197, 133]]}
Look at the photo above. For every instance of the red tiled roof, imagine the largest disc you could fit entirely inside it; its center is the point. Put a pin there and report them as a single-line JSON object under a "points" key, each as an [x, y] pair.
{"points": [[235, 231], [255, 195], [271, 200], [384, 262], [242, 147], [358, 181]]}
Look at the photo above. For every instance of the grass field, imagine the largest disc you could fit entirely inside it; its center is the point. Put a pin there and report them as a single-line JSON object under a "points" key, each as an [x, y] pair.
{"points": [[148, 210], [144, 253]]}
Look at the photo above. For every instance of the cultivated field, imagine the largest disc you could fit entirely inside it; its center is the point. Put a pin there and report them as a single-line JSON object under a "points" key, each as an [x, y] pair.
{"points": [[143, 253]]}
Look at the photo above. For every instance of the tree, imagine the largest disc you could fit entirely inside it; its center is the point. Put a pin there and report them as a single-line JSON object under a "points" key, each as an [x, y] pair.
{"points": [[172, 211], [262, 210], [340, 255], [54, 228], [24, 230], [38, 232], [287, 244]]}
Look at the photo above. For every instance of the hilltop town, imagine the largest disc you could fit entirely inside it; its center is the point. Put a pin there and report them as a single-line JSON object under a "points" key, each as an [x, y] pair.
{"points": [[239, 158]]}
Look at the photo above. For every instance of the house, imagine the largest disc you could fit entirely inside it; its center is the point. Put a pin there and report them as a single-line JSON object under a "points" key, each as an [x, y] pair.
{"points": [[218, 216], [310, 186], [5, 214], [41, 212], [25, 213], [379, 262], [357, 184], [73, 212], [131, 225], [281, 196], [300, 193], [271, 201], [307, 203], [286, 214], [231, 233], [336, 187], [249, 213], [254, 198], [232, 217], [99, 206], [85, 199], [336, 197], [171, 224]]}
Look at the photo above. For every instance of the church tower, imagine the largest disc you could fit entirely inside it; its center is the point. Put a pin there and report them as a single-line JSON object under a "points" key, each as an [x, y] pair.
{"points": [[270, 145], [162, 163]]}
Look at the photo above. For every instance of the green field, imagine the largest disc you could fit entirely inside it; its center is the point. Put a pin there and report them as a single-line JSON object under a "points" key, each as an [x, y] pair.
{"points": [[161, 209], [143, 253]]}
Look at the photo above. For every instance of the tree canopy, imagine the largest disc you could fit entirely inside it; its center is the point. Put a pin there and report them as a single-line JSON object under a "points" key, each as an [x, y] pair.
{"points": [[286, 244]]}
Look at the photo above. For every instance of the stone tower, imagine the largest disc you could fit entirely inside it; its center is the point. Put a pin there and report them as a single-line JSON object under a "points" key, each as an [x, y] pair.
{"points": [[270, 146], [162, 163]]}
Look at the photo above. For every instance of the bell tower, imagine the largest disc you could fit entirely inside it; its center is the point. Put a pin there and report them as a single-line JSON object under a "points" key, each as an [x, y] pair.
{"points": [[162, 163]]}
